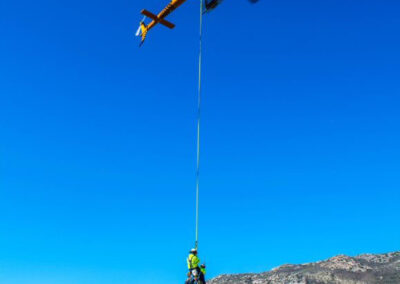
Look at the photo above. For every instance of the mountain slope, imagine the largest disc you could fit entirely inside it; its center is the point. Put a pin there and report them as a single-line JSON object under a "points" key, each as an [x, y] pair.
{"points": [[362, 269]]}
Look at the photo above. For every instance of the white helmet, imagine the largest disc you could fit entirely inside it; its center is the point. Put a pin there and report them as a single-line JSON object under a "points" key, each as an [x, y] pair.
{"points": [[193, 250]]}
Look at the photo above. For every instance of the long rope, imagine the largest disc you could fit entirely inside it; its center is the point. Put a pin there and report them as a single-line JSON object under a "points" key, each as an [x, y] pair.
{"points": [[198, 125]]}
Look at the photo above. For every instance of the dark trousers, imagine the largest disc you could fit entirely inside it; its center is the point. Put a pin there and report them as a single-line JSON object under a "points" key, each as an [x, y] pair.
{"points": [[201, 276]]}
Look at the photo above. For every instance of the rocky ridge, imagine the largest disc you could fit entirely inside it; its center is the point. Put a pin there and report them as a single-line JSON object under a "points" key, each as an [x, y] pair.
{"points": [[341, 269]]}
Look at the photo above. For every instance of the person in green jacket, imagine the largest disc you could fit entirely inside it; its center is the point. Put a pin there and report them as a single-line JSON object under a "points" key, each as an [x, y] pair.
{"points": [[193, 262], [203, 273]]}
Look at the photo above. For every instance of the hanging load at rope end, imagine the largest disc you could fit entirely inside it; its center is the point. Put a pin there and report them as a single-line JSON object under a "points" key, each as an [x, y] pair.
{"points": [[196, 272]]}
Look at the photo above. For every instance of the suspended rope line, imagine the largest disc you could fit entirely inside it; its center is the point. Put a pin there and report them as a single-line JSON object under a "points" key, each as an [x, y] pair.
{"points": [[198, 125]]}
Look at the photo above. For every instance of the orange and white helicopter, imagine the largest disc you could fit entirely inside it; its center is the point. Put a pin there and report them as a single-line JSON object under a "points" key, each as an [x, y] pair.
{"points": [[160, 18]]}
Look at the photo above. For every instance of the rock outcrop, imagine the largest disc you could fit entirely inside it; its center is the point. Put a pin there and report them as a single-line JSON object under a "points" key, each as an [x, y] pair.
{"points": [[341, 269]]}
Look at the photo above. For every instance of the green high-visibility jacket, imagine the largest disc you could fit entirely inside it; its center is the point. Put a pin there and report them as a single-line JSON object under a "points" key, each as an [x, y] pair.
{"points": [[203, 270], [193, 261]]}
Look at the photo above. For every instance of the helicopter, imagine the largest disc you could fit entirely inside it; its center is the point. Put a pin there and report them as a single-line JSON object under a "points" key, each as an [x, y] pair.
{"points": [[208, 5]]}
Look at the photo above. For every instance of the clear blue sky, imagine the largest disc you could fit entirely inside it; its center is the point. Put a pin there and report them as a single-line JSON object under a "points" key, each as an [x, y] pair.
{"points": [[301, 135]]}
